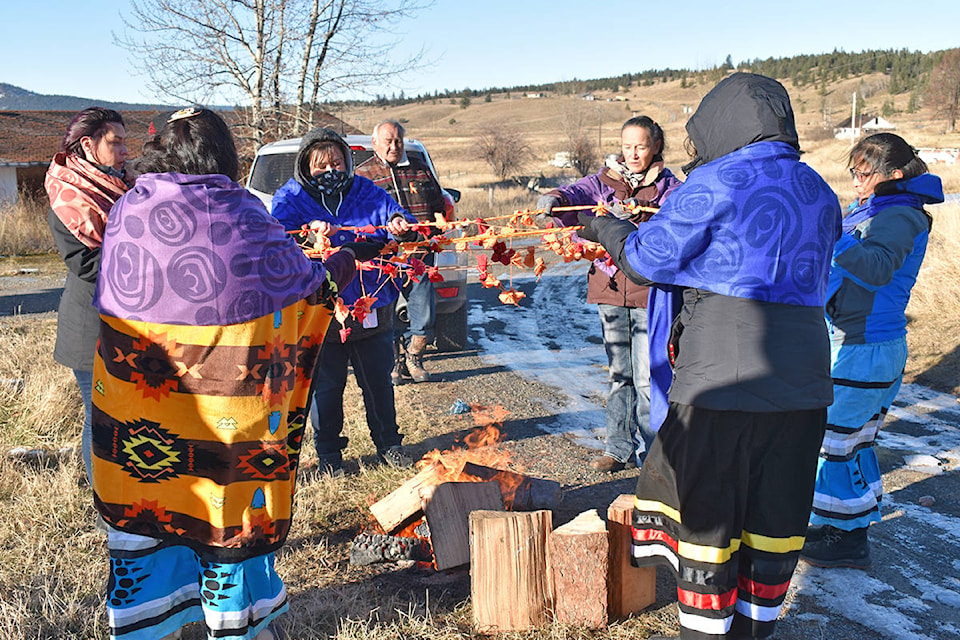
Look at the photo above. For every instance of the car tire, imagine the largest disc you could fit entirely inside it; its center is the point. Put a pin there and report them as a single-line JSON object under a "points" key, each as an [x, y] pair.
{"points": [[451, 330]]}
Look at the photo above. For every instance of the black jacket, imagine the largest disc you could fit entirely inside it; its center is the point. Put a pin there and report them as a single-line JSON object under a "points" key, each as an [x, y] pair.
{"points": [[78, 322]]}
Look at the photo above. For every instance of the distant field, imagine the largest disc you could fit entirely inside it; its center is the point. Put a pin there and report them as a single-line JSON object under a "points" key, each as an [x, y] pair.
{"points": [[453, 145]]}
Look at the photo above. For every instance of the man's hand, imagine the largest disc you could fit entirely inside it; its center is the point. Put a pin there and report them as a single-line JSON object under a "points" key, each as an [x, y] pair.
{"points": [[398, 226], [400, 229]]}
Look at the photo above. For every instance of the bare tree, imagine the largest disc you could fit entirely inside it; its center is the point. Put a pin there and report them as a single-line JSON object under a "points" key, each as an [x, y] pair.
{"points": [[278, 60], [505, 149], [576, 122], [944, 92]]}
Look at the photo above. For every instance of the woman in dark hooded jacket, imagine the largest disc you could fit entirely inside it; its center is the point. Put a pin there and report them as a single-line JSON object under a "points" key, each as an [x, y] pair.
{"points": [[326, 195], [724, 494]]}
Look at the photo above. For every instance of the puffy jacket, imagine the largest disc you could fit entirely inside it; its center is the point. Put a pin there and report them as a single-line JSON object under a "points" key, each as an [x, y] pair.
{"points": [[876, 261]]}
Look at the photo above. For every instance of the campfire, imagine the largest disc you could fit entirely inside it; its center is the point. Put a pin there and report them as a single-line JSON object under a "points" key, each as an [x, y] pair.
{"points": [[466, 505], [427, 517]]}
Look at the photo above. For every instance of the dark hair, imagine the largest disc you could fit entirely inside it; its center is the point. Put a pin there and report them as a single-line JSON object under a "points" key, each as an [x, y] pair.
{"points": [[886, 152], [653, 129], [89, 123], [194, 141]]}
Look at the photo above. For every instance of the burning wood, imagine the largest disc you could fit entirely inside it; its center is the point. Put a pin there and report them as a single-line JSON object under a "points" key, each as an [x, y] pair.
{"points": [[520, 492]]}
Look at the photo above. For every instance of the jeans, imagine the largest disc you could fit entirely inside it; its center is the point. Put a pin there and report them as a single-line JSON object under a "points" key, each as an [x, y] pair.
{"points": [[372, 360], [628, 404], [421, 305], [85, 382]]}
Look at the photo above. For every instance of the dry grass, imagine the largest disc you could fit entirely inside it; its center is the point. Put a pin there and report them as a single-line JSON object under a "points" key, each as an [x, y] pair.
{"points": [[53, 563], [23, 227]]}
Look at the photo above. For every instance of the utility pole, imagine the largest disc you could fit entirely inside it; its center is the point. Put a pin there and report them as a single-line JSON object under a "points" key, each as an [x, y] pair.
{"points": [[853, 121]]}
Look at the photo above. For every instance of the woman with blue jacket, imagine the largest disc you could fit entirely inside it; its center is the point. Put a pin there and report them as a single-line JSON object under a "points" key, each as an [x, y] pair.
{"points": [[875, 265], [326, 195]]}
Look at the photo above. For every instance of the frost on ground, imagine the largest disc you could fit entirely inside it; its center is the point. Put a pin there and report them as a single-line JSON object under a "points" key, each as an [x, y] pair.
{"points": [[913, 590]]}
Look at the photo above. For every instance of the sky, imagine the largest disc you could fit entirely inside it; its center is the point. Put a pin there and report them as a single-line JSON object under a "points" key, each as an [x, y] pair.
{"points": [[57, 46]]}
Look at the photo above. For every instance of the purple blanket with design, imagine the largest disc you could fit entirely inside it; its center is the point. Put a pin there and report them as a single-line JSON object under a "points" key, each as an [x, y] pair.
{"points": [[198, 250]]}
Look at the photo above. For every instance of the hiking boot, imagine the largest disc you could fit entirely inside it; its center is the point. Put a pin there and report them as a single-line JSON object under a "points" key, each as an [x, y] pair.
{"points": [[330, 465], [399, 364], [609, 464], [838, 548], [396, 457], [418, 344]]}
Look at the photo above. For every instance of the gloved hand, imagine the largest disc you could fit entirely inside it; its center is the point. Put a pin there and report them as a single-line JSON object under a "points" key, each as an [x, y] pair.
{"points": [[619, 211], [547, 203], [364, 251], [591, 225]]}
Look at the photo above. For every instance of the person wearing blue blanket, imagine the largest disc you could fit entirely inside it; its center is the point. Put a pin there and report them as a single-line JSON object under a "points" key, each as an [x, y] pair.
{"points": [[326, 195], [875, 265], [724, 494]]}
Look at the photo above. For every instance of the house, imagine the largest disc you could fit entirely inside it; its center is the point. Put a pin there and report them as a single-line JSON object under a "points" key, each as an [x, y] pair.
{"points": [[867, 127], [534, 94], [29, 139]]}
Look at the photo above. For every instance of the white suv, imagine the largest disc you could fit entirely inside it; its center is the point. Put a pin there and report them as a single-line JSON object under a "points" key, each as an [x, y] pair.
{"points": [[273, 167]]}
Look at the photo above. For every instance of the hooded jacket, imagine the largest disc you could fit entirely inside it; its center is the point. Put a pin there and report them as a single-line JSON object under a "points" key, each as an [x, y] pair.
{"points": [[358, 203], [749, 236], [876, 261]]}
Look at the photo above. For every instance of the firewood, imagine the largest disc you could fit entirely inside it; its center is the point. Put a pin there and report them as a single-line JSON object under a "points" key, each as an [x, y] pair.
{"points": [[531, 493], [509, 582], [448, 516], [405, 501], [578, 557], [629, 589]]}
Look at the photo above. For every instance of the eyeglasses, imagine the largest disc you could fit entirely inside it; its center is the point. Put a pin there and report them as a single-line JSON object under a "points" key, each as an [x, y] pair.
{"points": [[860, 175]]}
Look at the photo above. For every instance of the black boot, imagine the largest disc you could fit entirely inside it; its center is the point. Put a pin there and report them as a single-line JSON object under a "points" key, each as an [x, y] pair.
{"points": [[399, 363], [838, 548]]}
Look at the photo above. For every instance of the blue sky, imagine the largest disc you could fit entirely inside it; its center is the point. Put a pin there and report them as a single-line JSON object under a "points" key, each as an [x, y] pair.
{"points": [[58, 46]]}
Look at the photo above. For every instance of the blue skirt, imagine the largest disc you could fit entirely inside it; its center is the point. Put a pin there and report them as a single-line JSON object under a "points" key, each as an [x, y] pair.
{"points": [[866, 379], [156, 588]]}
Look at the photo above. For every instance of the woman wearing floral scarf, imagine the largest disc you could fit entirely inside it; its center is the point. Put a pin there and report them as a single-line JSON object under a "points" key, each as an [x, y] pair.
{"points": [[84, 180]]}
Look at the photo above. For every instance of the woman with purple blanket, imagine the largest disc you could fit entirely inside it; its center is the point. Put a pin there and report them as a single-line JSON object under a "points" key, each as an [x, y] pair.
{"points": [[211, 321]]}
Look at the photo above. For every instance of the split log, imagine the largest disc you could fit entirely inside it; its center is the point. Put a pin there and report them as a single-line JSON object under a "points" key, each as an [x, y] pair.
{"points": [[448, 516], [530, 494], [630, 589], [578, 557], [509, 582], [406, 501]]}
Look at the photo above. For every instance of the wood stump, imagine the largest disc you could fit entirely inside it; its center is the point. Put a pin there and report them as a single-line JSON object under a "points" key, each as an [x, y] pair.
{"points": [[448, 516], [578, 559], [630, 589], [509, 581]]}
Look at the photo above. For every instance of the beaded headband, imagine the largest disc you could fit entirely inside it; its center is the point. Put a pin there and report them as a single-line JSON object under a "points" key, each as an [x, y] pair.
{"points": [[182, 114]]}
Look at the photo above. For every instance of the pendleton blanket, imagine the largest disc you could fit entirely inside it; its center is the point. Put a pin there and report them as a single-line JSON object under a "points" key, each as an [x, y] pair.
{"points": [[755, 223], [211, 323]]}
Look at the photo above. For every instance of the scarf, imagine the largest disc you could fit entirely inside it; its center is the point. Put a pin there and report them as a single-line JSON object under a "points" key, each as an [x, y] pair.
{"points": [[81, 196]]}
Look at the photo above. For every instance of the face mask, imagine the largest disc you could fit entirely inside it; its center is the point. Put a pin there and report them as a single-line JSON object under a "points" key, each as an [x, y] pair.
{"points": [[330, 182]]}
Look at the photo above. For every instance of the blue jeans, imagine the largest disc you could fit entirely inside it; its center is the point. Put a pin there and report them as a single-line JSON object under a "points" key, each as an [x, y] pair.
{"points": [[628, 404], [421, 305], [85, 382], [372, 360]]}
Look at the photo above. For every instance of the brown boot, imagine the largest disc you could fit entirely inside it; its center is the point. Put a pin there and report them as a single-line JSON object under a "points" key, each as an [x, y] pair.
{"points": [[418, 344], [399, 364]]}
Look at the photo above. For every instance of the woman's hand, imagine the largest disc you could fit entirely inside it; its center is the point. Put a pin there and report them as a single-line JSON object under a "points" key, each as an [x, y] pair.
{"points": [[322, 228]]}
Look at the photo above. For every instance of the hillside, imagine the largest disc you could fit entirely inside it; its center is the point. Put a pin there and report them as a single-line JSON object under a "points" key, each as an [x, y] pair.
{"points": [[451, 132], [14, 98]]}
